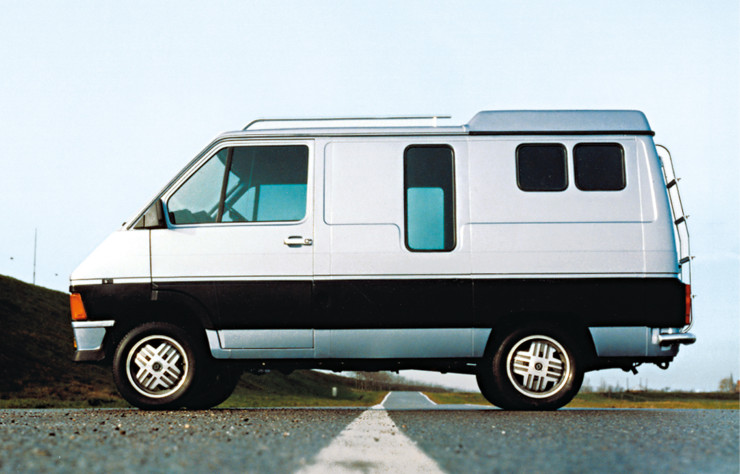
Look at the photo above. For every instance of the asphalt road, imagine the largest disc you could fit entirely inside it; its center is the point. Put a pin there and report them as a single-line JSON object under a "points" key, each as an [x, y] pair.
{"points": [[408, 433]]}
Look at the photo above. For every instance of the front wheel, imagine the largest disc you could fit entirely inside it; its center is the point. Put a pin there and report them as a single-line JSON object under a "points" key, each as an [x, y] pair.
{"points": [[535, 368], [217, 386], [156, 366]]}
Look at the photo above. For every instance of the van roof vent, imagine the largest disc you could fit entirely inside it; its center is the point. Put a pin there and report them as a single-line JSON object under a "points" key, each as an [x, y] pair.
{"points": [[564, 122]]}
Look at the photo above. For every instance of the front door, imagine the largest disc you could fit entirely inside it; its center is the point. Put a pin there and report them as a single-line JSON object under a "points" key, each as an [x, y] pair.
{"points": [[240, 233]]}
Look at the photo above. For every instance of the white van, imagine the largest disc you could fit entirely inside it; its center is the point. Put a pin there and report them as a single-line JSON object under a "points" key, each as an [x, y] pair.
{"points": [[526, 247]]}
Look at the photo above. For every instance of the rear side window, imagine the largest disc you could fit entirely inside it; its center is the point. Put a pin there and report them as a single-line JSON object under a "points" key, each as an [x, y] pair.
{"points": [[599, 167], [541, 167], [245, 184], [429, 198]]}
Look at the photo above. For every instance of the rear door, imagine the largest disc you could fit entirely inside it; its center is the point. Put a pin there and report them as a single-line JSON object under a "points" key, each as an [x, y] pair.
{"points": [[240, 233]]}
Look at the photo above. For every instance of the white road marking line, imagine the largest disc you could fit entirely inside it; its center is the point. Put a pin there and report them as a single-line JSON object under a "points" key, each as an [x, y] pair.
{"points": [[381, 405], [372, 443], [428, 399]]}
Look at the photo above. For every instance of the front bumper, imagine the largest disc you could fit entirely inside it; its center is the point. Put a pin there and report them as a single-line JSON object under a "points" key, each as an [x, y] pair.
{"points": [[89, 336]]}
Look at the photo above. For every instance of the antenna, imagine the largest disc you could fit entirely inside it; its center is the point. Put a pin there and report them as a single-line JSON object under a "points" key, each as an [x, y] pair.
{"points": [[35, 235]]}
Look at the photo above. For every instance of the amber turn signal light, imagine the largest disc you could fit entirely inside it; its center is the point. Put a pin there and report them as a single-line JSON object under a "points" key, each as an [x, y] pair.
{"points": [[76, 307]]}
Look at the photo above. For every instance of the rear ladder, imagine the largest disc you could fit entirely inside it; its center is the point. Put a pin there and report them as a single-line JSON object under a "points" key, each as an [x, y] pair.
{"points": [[680, 218]]}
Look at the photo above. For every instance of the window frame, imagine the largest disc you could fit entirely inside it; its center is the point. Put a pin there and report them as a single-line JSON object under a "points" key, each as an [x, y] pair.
{"points": [[230, 146], [453, 197], [623, 162], [549, 145]]}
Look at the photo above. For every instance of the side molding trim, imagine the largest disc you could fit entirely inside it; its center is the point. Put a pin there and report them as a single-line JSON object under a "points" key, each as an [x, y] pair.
{"points": [[419, 343]]}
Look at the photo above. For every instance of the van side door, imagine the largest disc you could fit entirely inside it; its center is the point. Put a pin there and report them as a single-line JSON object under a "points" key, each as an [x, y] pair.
{"points": [[392, 256]]}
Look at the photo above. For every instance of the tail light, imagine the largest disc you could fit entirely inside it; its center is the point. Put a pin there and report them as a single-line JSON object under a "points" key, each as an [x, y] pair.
{"points": [[76, 307], [688, 304]]}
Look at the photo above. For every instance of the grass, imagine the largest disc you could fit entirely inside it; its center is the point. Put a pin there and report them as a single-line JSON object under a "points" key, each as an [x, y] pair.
{"points": [[300, 393], [457, 398], [711, 400], [251, 399], [55, 403], [302, 388]]}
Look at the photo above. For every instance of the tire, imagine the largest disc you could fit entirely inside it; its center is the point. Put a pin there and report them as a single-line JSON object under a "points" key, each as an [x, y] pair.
{"points": [[216, 388], [156, 366], [486, 388], [533, 368]]}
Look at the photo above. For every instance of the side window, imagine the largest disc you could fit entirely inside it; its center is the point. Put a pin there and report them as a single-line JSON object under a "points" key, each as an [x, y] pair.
{"points": [[267, 183], [599, 167], [245, 184], [429, 198], [541, 167], [197, 200]]}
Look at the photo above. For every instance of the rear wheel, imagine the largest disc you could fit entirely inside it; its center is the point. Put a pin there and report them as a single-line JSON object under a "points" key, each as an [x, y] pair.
{"points": [[156, 366], [533, 368]]}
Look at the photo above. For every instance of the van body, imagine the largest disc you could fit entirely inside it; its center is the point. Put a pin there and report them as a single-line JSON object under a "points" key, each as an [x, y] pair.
{"points": [[526, 247]]}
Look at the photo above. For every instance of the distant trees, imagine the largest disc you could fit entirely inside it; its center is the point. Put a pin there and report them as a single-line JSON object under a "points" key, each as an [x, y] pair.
{"points": [[604, 387], [727, 385], [377, 380]]}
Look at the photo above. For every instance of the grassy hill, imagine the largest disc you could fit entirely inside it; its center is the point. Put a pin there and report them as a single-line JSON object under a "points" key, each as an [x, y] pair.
{"points": [[36, 368], [36, 347]]}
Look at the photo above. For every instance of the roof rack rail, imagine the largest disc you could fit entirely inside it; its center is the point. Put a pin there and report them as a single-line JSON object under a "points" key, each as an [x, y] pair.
{"points": [[434, 119]]}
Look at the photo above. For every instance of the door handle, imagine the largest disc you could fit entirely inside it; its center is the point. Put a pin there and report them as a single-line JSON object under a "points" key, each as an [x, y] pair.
{"points": [[296, 241]]}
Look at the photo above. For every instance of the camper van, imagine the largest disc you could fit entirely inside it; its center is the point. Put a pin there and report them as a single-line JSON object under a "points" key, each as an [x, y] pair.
{"points": [[524, 247]]}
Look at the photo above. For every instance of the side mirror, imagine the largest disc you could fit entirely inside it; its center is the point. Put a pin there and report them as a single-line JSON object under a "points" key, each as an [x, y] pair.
{"points": [[153, 218]]}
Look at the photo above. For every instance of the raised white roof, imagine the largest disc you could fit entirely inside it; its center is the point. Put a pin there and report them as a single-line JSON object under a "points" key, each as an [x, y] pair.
{"points": [[558, 121]]}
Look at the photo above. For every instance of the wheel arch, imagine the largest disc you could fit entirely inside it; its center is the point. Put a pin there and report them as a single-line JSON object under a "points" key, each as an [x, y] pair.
{"points": [[570, 322], [174, 307]]}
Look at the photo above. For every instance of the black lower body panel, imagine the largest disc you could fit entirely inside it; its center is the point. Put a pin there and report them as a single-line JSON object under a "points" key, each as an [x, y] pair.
{"points": [[400, 303]]}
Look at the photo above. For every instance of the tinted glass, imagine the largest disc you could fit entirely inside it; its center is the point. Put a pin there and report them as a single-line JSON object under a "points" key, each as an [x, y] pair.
{"points": [[429, 198], [426, 224], [267, 183], [541, 167], [599, 166], [264, 183], [197, 200]]}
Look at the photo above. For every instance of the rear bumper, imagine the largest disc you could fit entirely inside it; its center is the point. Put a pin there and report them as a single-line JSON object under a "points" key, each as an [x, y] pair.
{"points": [[89, 336], [677, 338], [639, 341]]}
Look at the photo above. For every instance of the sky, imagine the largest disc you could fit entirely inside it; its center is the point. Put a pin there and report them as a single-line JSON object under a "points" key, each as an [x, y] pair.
{"points": [[102, 102]]}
